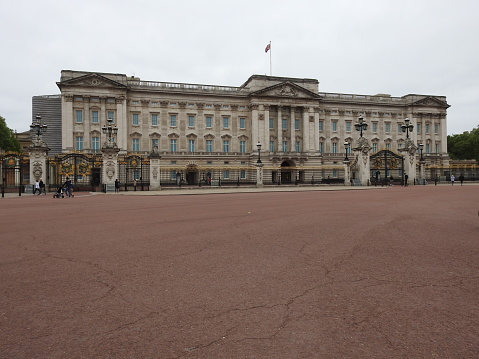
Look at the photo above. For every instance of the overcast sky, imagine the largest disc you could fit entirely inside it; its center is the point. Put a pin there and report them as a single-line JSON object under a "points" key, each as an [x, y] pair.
{"points": [[366, 47]]}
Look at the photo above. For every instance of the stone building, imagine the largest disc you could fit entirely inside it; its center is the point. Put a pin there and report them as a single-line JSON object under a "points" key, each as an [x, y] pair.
{"points": [[208, 131]]}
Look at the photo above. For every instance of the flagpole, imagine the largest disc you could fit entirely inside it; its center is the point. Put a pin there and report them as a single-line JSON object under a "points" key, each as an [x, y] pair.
{"points": [[270, 64]]}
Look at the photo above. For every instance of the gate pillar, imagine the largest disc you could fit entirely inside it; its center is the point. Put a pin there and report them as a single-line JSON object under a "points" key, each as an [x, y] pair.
{"points": [[259, 175], [154, 157], [409, 152], [363, 163], [38, 152], [347, 174], [109, 167]]}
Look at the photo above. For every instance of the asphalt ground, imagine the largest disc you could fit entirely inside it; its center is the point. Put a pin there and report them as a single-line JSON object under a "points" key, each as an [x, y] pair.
{"points": [[378, 273]]}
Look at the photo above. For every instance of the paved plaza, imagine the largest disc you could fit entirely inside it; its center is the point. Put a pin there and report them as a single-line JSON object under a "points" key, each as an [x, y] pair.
{"points": [[332, 272]]}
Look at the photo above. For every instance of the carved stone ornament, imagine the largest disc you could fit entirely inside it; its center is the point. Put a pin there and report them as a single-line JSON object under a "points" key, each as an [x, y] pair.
{"points": [[37, 170], [155, 173], [110, 169], [287, 91]]}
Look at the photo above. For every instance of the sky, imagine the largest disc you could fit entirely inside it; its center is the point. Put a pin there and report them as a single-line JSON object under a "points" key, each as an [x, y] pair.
{"points": [[366, 47]]}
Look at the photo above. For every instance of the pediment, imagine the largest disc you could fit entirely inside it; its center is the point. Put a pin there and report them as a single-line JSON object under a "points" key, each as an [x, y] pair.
{"points": [[91, 80], [430, 101], [286, 89]]}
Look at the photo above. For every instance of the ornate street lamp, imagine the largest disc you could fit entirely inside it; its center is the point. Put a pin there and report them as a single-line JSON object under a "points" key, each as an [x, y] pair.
{"points": [[110, 131], [407, 127], [421, 147], [361, 126], [38, 128], [259, 152], [346, 146]]}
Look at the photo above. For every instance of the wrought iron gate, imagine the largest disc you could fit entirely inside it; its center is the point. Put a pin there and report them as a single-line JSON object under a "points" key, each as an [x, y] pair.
{"points": [[386, 164], [83, 170], [15, 172]]}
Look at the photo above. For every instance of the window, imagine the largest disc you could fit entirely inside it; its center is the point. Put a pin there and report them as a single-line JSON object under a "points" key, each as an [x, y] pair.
{"points": [[271, 123], [208, 121], [388, 127], [242, 123], [154, 119], [172, 120], [428, 148], [399, 128], [375, 127], [427, 128], [436, 129], [335, 147], [173, 145], [135, 119], [437, 147], [209, 145], [285, 146], [296, 124], [321, 147], [95, 143], [348, 126], [375, 147], [334, 125], [111, 115], [135, 147], [79, 143], [155, 143], [226, 174], [242, 146], [191, 121], [298, 146], [284, 124], [321, 126], [335, 173], [78, 116], [271, 146], [243, 174], [94, 117], [191, 145], [400, 146], [226, 146], [226, 122], [418, 126], [388, 146], [173, 175]]}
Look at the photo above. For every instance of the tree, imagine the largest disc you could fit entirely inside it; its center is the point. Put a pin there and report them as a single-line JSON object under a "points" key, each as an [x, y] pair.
{"points": [[464, 146], [8, 141]]}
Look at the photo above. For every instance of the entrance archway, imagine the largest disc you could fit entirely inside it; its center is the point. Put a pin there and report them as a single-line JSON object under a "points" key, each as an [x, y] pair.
{"points": [[192, 174], [287, 171], [386, 164]]}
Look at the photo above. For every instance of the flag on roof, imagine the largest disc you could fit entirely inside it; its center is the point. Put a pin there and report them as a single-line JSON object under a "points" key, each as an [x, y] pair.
{"points": [[268, 47]]}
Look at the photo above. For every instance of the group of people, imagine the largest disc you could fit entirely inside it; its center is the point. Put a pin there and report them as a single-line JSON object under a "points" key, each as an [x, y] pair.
{"points": [[39, 187], [453, 179]]}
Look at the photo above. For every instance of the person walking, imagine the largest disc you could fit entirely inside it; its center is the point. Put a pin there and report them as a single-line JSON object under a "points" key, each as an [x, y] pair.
{"points": [[453, 178], [117, 185], [37, 188], [461, 179], [42, 187], [406, 177], [68, 187]]}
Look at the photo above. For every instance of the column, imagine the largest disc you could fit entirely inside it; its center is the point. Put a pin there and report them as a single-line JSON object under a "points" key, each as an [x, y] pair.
{"points": [[254, 127], [266, 128], [67, 123], [280, 131], [316, 129], [122, 123], [86, 122], [259, 175], [38, 163], [305, 130], [292, 146]]}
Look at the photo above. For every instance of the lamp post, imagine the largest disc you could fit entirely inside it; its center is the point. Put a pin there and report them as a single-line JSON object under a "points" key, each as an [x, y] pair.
{"points": [[421, 147], [110, 131], [259, 152], [408, 127], [38, 128], [346, 146], [361, 126]]}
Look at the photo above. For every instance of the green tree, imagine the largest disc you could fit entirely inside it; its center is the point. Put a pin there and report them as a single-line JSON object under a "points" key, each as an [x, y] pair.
{"points": [[8, 141], [464, 146]]}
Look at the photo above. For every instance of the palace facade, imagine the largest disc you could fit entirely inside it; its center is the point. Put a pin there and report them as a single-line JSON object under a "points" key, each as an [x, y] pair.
{"points": [[213, 131]]}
